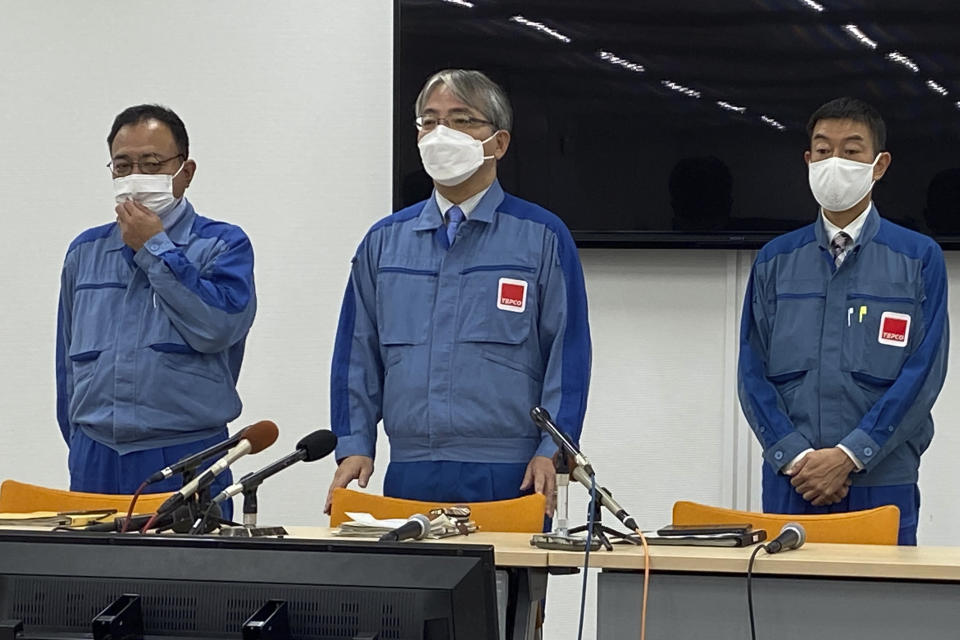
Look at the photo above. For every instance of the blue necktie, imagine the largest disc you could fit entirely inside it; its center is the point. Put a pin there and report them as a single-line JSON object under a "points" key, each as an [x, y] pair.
{"points": [[454, 218]]}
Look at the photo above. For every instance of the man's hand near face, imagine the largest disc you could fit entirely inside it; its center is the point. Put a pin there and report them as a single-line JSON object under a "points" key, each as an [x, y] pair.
{"points": [[137, 223], [822, 477]]}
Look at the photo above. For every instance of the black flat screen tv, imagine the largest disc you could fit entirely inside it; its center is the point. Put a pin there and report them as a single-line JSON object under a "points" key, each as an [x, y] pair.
{"points": [[206, 587], [682, 123]]}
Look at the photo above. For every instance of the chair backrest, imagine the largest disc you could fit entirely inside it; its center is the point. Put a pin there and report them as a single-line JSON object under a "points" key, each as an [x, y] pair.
{"points": [[524, 515], [873, 526], [20, 497]]}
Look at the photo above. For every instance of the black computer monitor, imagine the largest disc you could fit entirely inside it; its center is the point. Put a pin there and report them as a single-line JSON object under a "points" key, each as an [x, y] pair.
{"points": [[56, 583]]}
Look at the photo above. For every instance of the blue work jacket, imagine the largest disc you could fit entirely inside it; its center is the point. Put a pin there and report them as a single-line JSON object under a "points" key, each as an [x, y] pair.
{"points": [[854, 355], [149, 344], [453, 345]]}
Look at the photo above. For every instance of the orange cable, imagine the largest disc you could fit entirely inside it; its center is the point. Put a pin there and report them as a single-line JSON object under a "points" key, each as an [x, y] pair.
{"points": [[149, 524], [133, 503], [646, 584]]}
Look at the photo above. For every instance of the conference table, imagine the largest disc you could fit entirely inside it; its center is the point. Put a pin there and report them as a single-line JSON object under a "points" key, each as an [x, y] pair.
{"points": [[817, 591]]}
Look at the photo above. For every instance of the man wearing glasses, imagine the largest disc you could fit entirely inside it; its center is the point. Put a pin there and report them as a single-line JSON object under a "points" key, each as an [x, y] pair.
{"points": [[462, 313], [154, 313]]}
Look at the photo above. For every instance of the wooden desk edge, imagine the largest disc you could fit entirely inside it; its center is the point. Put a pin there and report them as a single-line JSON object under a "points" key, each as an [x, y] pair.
{"points": [[828, 560]]}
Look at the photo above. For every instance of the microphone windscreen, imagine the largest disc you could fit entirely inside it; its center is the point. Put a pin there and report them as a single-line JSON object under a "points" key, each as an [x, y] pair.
{"points": [[318, 444], [261, 435], [801, 533], [424, 522]]}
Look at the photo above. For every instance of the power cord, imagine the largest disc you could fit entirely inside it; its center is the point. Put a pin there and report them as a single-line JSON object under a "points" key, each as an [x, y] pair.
{"points": [[753, 557]]}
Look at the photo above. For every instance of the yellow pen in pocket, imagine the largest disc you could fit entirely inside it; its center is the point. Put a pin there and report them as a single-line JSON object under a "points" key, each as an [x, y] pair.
{"points": [[863, 312]]}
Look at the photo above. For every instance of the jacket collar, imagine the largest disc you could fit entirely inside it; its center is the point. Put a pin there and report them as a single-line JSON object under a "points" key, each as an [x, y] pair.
{"points": [[430, 218], [870, 227]]}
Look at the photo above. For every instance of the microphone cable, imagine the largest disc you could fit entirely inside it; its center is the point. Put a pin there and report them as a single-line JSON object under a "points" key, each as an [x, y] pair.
{"points": [[753, 557], [586, 556], [133, 503], [586, 566], [646, 583], [149, 524], [202, 520]]}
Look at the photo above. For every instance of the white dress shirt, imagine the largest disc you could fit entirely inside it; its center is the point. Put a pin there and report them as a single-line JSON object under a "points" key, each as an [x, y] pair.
{"points": [[467, 206]]}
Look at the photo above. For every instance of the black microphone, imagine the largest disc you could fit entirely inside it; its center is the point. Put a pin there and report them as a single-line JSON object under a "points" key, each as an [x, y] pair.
{"points": [[311, 447], [543, 420], [416, 527], [255, 439], [195, 460], [792, 536], [136, 523]]}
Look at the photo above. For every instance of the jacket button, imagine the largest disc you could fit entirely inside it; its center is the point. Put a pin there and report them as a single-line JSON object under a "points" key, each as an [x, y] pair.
{"points": [[762, 428], [778, 455], [890, 428], [868, 451]]}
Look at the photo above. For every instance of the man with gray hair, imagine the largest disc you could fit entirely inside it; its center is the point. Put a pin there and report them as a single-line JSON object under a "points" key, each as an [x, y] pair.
{"points": [[462, 313]]}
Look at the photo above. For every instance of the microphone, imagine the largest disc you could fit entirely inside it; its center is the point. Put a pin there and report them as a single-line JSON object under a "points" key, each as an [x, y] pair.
{"points": [[311, 447], [792, 536], [255, 439], [416, 527], [581, 476], [543, 420], [194, 460]]}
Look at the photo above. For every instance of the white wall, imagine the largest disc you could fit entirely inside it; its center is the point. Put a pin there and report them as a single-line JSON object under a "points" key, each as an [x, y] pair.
{"points": [[288, 105], [289, 109]]}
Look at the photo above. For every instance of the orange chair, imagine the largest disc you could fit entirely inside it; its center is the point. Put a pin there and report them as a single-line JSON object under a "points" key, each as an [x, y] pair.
{"points": [[524, 515], [19, 497], [873, 526]]}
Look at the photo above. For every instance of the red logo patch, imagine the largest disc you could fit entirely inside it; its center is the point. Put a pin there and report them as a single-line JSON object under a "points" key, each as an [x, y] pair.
{"points": [[894, 329], [512, 295]]}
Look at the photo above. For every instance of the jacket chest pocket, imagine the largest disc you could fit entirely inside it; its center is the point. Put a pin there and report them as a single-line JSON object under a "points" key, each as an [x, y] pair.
{"points": [[882, 329], [405, 301], [795, 335], [498, 304], [96, 318]]}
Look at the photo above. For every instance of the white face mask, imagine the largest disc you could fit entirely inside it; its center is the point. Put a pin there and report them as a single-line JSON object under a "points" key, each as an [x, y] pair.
{"points": [[152, 190], [838, 183], [450, 156]]}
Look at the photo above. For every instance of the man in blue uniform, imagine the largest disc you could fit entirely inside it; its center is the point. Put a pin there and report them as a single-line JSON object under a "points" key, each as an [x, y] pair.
{"points": [[461, 314], [154, 313], [843, 344]]}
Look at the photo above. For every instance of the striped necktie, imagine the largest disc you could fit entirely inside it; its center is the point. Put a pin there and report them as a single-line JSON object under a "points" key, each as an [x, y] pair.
{"points": [[840, 247]]}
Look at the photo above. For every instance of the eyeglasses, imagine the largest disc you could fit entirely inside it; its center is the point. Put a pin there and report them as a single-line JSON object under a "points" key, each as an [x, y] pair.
{"points": [[148, 163], [458, 122]]}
